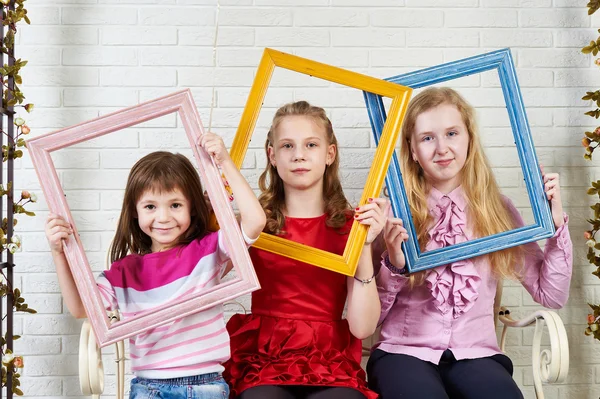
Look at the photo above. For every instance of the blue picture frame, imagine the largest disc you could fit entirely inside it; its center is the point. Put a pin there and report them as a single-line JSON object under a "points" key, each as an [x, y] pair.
{"points": [[500, 60]]}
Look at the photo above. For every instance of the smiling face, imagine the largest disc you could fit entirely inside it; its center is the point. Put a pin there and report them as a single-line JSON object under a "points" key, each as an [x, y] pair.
{"points": [[164, 217], [300, 152], [440, 144]]}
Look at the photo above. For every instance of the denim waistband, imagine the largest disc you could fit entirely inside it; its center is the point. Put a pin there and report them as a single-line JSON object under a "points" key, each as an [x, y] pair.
{"points": [[190, 380]]}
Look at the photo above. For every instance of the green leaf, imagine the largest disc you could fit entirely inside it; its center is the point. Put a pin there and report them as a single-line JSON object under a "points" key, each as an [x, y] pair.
{"points": [[591, 95], [595, 113]]}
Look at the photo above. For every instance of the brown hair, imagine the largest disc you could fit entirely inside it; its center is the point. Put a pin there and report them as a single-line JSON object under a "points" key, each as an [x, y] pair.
{"points": [[159, 171], [487, 210], [272, 196]]}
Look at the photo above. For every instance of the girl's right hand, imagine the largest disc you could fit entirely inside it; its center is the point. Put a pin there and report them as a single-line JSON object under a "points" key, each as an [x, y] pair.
{"points": [[214, 145], [394, 235], [57, 229]]}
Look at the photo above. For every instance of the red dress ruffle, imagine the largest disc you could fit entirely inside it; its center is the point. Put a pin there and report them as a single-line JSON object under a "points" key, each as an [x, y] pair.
{"points": [[296, 334]]}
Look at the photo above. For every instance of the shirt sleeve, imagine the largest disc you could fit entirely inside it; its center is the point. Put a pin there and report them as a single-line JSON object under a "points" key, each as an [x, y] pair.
{"points": [[389, 284], [222, 251], [546, 274], [107, 292]]}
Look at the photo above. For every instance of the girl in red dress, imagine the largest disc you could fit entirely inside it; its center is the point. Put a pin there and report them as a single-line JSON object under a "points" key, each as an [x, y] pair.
{"points": [[296, 344]]}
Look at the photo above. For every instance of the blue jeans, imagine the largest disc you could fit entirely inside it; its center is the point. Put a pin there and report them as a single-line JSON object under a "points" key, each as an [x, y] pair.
{"points": [[205, 386]]}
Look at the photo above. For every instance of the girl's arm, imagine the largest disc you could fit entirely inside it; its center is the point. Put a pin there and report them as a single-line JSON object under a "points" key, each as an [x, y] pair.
{"points": [[363, 301], [57, 229], [547, 275], [389, 281], [252, 215]]}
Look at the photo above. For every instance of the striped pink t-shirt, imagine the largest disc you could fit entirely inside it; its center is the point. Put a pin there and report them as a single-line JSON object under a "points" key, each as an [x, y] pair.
{"points": [[193, 345]]}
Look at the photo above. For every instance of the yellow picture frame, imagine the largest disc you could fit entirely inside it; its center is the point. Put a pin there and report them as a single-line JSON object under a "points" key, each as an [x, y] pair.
{"points": [[400, 95]]}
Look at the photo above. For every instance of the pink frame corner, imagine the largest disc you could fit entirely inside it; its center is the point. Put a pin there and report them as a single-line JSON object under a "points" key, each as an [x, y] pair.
{"points": [[245, 280]]}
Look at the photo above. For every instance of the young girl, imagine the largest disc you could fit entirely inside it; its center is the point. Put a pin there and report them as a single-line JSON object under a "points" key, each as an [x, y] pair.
{"points": [[295, 343], [438, 338], [162, 250]]}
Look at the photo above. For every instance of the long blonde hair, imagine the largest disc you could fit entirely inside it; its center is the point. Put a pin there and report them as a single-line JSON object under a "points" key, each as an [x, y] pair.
{"points": [[159, 171], [487, 210], [272, 196]]}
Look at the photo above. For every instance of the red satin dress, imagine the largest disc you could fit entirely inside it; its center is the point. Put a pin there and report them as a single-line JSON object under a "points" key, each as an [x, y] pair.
{"points": [[296, 334]]}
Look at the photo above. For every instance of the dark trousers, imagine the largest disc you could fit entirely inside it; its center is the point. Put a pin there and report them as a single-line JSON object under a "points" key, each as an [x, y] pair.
{"points": [[300, 392], [407, 377]]}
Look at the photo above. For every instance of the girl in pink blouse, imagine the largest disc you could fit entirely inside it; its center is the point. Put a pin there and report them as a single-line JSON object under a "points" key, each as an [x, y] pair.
{"points": [[438, 338]]}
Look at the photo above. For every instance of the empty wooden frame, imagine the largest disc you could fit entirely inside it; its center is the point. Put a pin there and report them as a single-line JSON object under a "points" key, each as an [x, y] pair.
{"points": [[400, 95], [543, 227], [245, 280]]}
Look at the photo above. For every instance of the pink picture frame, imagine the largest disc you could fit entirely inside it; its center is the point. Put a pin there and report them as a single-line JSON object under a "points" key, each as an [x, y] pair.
{"points": [[245, 280]]}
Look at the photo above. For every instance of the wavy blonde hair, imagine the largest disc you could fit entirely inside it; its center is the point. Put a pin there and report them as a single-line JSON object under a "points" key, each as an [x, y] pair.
{"points": [[272, 196], [487, 211]]}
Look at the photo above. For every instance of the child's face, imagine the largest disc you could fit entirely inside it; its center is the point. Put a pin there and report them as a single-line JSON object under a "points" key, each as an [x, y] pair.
{"points": [[300, 152], [164, 217], [439, 144]]}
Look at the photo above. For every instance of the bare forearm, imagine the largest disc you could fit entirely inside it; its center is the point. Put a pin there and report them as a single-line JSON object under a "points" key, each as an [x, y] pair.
{"points": [[253, 217], [364, 307], [67, 286]]}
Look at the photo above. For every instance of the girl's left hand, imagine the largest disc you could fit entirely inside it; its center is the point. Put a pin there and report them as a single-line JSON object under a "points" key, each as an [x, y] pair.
{"points": [[552, 189], [213, 144], [373, 214]]}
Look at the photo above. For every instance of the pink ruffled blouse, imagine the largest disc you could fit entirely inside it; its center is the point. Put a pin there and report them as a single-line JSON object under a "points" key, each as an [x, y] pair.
{"points": [[453, 309]]}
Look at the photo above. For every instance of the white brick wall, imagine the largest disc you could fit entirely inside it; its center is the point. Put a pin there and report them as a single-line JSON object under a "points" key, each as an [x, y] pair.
{"points": [[91, 57]]}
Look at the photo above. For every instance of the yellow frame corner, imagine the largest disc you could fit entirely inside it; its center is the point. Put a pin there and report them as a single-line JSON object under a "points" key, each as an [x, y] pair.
{"points": [[400, 95]]}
